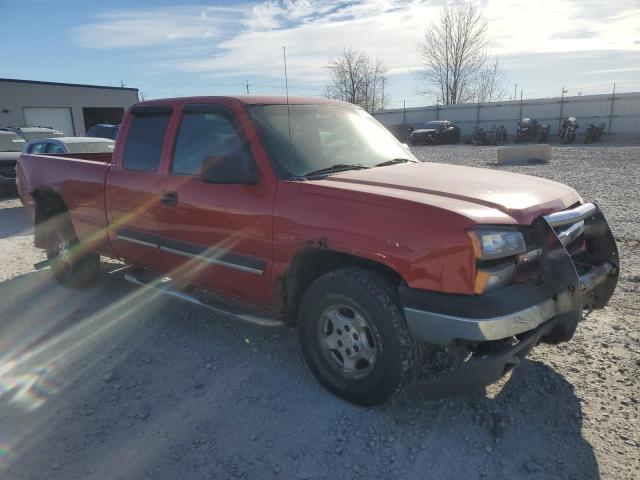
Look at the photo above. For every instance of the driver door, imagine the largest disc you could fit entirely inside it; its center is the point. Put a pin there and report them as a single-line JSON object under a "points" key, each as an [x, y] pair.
{"points": [[217, 235]]}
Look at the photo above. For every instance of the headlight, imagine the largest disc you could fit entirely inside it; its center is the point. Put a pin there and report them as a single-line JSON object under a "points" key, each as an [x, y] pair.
{"points": [[492, 243], [495, 251]]}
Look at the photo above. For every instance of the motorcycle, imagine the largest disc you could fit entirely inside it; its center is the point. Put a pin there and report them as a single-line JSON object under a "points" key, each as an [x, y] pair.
{"points": [[568, 130], [594, 133], [501, 135], [530, 131], [493, 136]]}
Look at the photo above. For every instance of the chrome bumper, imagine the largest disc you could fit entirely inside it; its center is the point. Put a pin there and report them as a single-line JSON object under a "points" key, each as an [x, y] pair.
{"points": [[570, 293]]}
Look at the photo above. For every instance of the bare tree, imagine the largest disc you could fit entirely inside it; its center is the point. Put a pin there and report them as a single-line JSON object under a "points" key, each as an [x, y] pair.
{"points": [[455, 58], [354, 77], [490, 83]]}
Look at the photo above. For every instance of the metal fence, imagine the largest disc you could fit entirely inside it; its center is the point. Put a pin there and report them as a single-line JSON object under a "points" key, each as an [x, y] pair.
{"points": [[620, 112]]}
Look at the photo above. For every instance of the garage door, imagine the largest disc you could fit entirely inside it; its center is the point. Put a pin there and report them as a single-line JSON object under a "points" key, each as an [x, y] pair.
{"points": [[58, 118]]}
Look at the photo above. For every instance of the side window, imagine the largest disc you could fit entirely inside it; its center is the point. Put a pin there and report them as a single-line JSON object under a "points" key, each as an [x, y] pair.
{"points": [[202, 135], [40, 147], [143, 145], [55, 148]]}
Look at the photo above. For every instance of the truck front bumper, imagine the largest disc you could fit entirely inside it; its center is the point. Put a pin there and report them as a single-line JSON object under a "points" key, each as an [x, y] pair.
{"points": [[512, 320], [442, 318]]}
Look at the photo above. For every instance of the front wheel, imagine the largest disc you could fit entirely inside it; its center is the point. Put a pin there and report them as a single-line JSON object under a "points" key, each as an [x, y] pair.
{"points": [[354, 337]]}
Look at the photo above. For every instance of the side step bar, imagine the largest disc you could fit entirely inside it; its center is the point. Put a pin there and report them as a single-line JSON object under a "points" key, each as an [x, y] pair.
{"points": [[166, 287]]}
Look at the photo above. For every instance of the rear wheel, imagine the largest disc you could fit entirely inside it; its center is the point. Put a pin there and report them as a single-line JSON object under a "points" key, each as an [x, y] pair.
{"points": [[354, 337], [70, 266]]}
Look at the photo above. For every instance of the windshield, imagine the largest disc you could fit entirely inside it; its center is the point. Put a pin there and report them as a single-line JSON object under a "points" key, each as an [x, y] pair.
{"points": [[323, 136], [91, 147], [434, 125]]}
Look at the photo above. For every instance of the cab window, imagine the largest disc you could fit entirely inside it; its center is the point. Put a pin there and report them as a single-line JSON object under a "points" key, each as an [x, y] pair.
{"points": [[144, 139], [40, 147], [55, 148], [204, 133]]}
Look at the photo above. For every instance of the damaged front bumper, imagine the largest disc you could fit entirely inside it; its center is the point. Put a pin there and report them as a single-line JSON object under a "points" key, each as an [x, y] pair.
{"points": [[578, 263]]}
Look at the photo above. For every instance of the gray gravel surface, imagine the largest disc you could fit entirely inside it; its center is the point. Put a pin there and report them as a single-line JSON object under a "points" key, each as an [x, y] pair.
{"points": [[110, 383]]}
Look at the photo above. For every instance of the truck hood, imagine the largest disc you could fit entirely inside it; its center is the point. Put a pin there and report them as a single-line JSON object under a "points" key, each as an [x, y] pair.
{"points": [[474, 192]]}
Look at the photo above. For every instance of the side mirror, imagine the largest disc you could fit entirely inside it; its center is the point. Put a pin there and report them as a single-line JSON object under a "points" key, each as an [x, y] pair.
{"points": [[229, 169]]}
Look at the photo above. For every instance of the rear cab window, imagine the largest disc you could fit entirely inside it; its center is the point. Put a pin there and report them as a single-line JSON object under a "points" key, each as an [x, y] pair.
{"points": [[55, 148], [145, 137]]}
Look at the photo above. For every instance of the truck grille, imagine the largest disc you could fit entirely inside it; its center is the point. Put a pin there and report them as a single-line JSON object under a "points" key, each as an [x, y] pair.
{"points": [[570, 233], [8, 170]]}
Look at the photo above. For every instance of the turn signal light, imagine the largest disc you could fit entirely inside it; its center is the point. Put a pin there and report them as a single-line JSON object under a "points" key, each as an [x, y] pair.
{"points": [[491, 278]]}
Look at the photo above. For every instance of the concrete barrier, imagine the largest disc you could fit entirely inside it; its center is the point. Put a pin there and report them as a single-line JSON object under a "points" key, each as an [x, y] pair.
{"points": [[540, 152]]}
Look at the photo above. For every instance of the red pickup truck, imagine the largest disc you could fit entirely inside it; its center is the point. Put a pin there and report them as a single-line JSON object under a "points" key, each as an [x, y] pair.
{"points": [[308, 212]]}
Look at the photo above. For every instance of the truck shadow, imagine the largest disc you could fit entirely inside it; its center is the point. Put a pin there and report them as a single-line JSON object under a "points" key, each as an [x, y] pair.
{"points": [[109, 383], [15, 221]]}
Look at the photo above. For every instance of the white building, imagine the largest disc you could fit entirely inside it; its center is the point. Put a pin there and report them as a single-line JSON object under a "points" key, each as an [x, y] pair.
{"points": [[67, 107]]}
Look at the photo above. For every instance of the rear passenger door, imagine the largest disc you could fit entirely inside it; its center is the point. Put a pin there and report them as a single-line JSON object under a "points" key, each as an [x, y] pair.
{"points": [[132, 186], [218, 235]]}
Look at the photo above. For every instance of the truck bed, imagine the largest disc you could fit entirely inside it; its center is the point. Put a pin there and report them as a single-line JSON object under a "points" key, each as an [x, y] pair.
{"points": [[83, 177]]}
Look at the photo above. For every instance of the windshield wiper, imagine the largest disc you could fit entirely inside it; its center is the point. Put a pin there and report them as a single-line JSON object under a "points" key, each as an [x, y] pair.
{"points": [[393, 162], [338, 167]]}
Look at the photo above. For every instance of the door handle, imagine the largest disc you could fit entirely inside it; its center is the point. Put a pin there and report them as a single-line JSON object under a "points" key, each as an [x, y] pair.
{"points": [[169, 199]]}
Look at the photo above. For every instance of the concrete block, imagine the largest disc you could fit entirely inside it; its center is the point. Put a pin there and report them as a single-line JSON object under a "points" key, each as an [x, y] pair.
{"points": [[540, 152]]}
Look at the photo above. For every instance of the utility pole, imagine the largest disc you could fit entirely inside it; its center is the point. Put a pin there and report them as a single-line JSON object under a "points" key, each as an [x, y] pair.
{"points": [[613, 97], [521, 104], [247, 86], [564, 90], [121, 84], [515, 92], [404, 112]]}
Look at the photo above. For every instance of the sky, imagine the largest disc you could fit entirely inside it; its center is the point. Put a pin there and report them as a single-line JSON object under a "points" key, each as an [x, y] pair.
{"points": [[216, 47]]}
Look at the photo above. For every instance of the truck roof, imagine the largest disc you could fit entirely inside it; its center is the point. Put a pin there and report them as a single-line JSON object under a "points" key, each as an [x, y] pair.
{"points": [[81, 139], [250, 100]]}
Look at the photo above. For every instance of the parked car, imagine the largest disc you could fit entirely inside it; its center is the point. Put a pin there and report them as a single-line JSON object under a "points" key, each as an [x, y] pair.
{"points": [[70, 145], [401, 131], [29, 132], [333, 227], [436, 132], [104, 130], [12, 140]]}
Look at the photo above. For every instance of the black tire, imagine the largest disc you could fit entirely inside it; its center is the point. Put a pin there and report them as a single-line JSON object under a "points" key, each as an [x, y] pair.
{"points": [[74, 268], [374, 299]]}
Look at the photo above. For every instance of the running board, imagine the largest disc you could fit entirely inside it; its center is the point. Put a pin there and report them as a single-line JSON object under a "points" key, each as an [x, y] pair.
{"points": [[164, 285], [42, 265]]}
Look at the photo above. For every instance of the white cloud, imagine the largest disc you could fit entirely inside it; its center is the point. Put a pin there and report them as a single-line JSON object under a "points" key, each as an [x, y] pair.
{"points": [[608, 71], [248, 41], [158, 27]]}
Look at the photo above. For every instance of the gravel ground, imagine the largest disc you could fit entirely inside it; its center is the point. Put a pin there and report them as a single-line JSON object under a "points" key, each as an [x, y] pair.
{"points": [[108, 383]]}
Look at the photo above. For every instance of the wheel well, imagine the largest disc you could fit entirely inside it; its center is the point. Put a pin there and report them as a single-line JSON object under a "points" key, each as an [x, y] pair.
{"points": [[310, 264], [47, 205]]}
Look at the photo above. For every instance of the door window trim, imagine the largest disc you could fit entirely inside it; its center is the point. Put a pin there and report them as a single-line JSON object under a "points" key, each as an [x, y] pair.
{"points": [[224, 111], [148, 111]]}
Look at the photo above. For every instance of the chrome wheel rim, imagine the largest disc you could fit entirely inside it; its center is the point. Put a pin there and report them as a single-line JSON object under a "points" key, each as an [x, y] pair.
{"points": [[347, 341], [64, 253]]}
